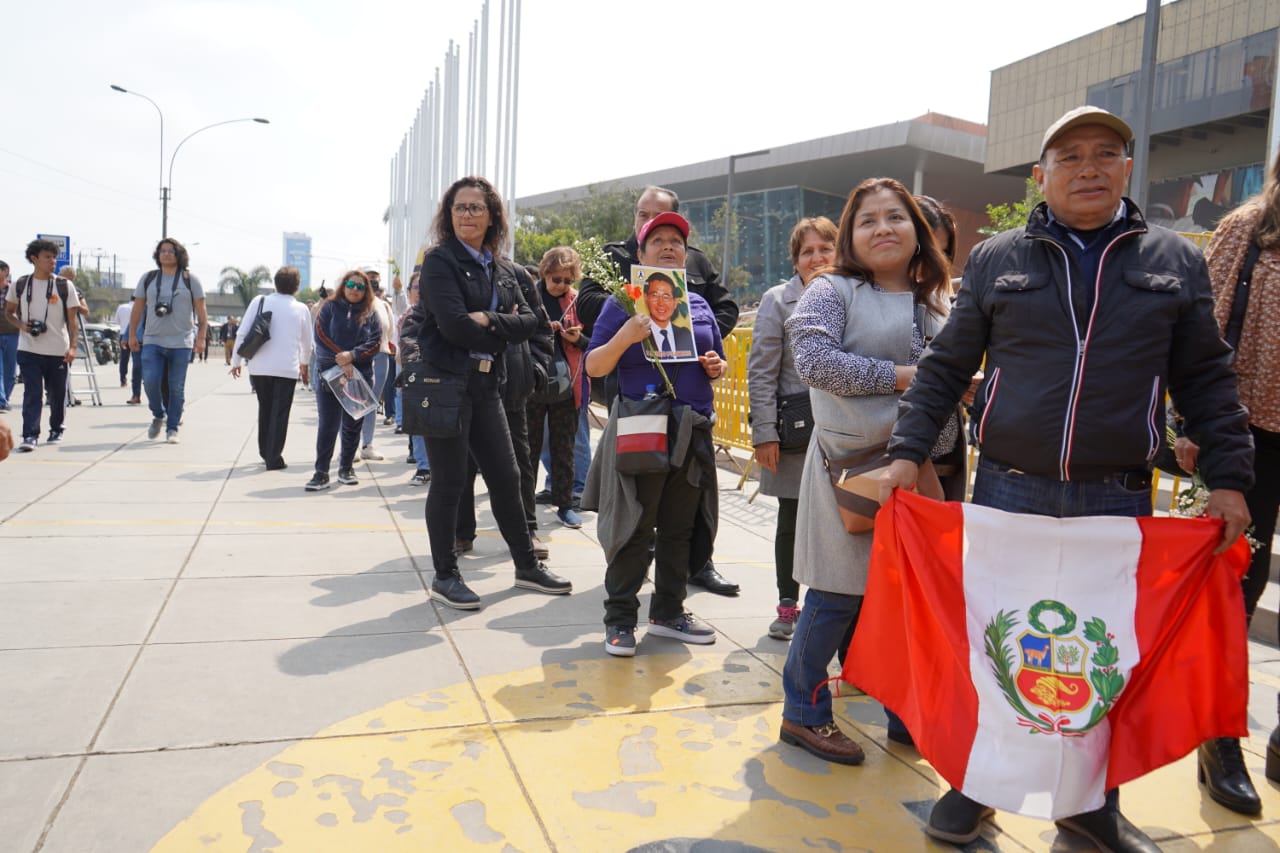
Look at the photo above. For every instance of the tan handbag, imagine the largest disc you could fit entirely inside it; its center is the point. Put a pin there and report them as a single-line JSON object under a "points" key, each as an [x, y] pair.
{"points": [[855, 480]]}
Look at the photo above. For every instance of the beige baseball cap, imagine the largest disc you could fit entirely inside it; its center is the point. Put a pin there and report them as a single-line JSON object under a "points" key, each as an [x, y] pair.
{"points": [[1085, 115]]}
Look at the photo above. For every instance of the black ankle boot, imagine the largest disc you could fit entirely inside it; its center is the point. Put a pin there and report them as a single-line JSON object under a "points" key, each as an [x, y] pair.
{"points": [[1222, 771], [1273, 749]]}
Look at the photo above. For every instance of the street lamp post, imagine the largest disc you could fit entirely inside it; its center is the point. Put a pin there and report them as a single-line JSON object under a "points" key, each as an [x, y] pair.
{"points": [[728, 209], [164, 188], [167, 189]]}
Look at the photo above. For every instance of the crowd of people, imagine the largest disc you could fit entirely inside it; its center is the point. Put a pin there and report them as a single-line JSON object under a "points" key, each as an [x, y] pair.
{"points": [[1053, 357]]}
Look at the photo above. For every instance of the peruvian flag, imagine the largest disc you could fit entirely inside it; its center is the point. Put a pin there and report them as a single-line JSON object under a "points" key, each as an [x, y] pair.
{"points": [[1040, 661]]}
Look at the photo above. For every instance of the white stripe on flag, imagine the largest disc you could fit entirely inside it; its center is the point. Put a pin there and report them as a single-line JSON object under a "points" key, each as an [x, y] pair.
{"points": [[1011, 562], [635, 424]]}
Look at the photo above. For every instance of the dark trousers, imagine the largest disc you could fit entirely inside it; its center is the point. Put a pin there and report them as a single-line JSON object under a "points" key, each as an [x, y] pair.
{"points": [[562, 429], [784, 548], [332, 419], [275, 400], [41, 373], [518, 429], [486, 435], [1264, 502], [669, 504]]}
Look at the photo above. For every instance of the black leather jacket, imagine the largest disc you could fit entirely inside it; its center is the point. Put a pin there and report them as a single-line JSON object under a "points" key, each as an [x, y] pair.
{"points": [[1069, 399], [454, 284], [528, 362]]}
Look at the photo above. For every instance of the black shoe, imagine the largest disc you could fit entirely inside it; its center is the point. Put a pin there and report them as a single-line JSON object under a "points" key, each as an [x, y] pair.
{"points": [[278, 465], [318, 481], [543, 580], [956, 818], [1220, 768], [1110, 830], [543, 497], [461, 546], [347, 477], [712, 581], [450, 590]]}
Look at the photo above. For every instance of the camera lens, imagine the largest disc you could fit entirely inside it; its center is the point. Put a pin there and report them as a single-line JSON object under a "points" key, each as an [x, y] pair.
{"points": [[162, 309]]}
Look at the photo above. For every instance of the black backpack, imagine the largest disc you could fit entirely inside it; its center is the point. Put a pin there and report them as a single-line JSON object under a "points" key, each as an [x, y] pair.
{"points": [[62, 285]]}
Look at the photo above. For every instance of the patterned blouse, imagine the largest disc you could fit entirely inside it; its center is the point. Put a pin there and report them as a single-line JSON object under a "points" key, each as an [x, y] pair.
{"points": [[816, 336], [1258, 358]]}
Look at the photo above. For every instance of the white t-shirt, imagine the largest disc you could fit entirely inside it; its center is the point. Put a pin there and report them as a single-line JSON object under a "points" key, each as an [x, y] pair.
{"points": [[122, 320], [383, 310], [45, 304]]}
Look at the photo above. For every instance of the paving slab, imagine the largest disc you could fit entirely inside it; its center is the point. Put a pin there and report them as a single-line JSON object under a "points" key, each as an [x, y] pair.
{"points": [[127, 802], [55, 699], [235, 692], [79, 613], [93, 558], [237, 552], [29, 792], [205, 610]]}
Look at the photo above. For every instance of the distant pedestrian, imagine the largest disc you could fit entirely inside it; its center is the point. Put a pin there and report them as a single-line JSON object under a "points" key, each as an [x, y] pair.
{"points": [[275, 368], [229, 331], [8, 345], [123, 317], [172, 301], [42, 307]]}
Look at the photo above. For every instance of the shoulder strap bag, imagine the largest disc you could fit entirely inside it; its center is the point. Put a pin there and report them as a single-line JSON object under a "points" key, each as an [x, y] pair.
{"points": [[1235, 323], [259, 333]]}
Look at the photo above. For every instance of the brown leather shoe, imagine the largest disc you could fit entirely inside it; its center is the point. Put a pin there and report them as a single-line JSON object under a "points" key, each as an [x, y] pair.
{"points": [[826, 741]]}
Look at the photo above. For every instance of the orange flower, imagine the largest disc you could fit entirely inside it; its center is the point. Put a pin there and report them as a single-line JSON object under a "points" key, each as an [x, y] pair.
{"points": [[634, 291]]}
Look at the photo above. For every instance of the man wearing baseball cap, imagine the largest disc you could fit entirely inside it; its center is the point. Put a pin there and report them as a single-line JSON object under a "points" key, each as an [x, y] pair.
{"points": [[1085, 317]]}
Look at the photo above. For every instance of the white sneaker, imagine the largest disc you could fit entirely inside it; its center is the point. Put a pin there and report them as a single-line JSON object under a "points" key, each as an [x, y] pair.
{"points": [[368, 452], [171, 437]]}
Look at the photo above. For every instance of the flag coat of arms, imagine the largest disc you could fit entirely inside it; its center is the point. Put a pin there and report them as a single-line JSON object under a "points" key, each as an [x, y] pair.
{"points": [[1040, 661]]}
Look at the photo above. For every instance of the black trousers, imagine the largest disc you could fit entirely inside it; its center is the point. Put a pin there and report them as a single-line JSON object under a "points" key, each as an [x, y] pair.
{"points": [[518, 429], [1263, 501], [275, 401], [670, 504], [562, 428], [334, 418], [784, 548], [485, 435], [40, 374]]}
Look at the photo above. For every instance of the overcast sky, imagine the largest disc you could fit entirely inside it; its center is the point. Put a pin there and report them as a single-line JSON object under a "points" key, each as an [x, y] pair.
{"points": [[341, 81]]}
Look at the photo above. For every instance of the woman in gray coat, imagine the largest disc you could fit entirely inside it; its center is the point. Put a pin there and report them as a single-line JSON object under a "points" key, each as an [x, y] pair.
{"points": [[771, 377], [856, 336]]}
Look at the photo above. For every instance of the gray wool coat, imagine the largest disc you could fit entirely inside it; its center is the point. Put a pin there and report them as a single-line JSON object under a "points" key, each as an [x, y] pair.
{"points": [[771, 373], [877, 325]]}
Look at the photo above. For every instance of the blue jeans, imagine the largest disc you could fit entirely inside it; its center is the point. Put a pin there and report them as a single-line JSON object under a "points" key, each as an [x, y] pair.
{"points": [[999, 486], [819, 631], [154, 360], [8, 367], [381, 365], [581, 452]]}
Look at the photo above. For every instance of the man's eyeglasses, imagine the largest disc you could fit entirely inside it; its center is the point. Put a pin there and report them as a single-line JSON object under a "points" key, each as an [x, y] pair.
{"points": [[660, 297], [469, 209], [356, 285]]}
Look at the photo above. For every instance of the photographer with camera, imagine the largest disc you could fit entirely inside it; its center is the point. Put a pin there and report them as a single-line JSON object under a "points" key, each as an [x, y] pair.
{"points": [[42, 306], [172, 301]]}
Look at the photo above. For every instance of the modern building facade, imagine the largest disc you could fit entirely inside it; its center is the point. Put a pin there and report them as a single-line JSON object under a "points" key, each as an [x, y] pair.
{"points": [[933, 154], [1212, 110]]}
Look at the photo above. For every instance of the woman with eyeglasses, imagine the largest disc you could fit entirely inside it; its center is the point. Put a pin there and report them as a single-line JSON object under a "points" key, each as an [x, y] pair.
{"points": [[471, 310], [559, 270], [348, 334]]}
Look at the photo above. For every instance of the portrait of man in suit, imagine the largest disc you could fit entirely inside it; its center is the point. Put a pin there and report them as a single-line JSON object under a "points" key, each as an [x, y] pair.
{"points": [[672, 340]]}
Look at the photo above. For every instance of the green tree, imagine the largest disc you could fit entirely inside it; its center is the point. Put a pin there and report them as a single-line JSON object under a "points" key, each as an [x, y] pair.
{"points": [[244, 284], [1006, 216], [531, 246], [606, 213]]}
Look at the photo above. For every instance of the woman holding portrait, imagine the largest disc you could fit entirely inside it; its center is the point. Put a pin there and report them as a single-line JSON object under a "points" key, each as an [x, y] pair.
{"points": [[856, 336]]}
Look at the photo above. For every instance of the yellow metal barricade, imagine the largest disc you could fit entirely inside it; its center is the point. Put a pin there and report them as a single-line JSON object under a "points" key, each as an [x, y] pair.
{"points": [[731, 402]]}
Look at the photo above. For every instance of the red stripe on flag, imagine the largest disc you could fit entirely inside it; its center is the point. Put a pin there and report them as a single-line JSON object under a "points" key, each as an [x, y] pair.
{"points": [[1192, 681], [642, 442], [919, 665]]}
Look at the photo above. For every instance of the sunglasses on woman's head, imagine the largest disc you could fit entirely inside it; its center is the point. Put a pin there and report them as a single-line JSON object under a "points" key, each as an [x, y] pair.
{"points": [[356, 285]]}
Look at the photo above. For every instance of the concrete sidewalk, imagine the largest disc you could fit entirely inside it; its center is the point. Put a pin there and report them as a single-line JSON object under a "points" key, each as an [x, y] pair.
{"points": [[197, 655]]}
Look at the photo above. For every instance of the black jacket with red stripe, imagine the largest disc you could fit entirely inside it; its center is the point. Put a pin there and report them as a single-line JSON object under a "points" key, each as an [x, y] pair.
{"points": [[1077, 397]]}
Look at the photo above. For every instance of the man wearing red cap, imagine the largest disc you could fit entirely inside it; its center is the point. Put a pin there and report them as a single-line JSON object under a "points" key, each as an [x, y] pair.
{"points": [[1085, 317]]}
